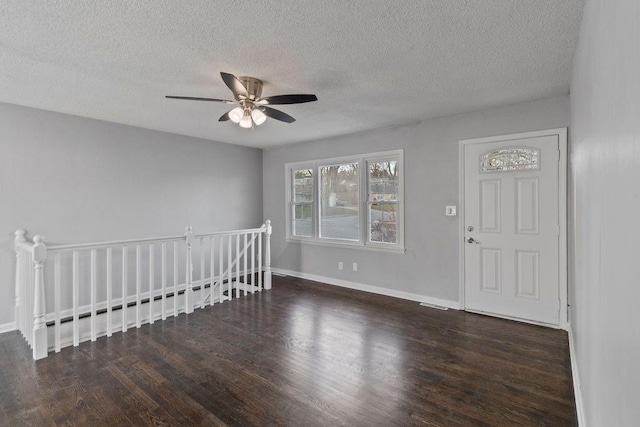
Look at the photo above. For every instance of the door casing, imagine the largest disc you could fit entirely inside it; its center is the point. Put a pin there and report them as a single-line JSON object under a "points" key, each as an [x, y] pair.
{"points": [[562, 214]]}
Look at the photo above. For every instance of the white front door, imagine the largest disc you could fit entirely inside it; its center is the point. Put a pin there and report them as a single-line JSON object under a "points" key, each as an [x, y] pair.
{"points": [[511, 228]]}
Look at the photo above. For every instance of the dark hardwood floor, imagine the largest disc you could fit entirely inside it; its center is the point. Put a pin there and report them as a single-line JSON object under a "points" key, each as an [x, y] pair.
{"points": [[302, 354]]}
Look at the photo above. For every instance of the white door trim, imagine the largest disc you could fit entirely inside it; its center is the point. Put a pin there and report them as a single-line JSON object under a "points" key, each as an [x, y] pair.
{"points": [[562, 207]]}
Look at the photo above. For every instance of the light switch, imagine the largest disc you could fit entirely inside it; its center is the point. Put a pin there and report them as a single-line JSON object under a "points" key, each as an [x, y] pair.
{"points": [[450, 211]]}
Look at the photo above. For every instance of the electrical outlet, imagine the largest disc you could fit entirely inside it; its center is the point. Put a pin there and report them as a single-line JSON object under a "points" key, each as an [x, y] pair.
{"points": [[340, 265], [355, 266]]}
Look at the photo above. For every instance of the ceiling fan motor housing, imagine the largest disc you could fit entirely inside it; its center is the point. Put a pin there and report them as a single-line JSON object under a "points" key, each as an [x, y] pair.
{"points": [[253, 86]]}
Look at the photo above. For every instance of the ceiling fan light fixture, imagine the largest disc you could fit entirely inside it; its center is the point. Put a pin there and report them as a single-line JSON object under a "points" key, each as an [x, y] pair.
{"points": [[246, 121], [253, 110], [258, 116], [236, 114]]}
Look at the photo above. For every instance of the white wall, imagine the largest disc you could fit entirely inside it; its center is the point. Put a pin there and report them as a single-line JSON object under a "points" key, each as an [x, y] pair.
{"points": [[430, 265], [605, 146], [80, 180]]}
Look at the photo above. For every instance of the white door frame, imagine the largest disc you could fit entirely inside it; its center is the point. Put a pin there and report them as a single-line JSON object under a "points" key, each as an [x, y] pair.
{"points": [[562, 207]]}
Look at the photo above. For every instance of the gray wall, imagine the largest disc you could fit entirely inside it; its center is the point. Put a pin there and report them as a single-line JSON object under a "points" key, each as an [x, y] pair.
{"points": [[430, 265], [79, 180], [605, 145]]}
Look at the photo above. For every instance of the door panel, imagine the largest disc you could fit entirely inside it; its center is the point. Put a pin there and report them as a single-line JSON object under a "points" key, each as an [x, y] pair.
{"points": [[527, 274], [490, 206], [527, 205], [491, 270], [511, 216]]}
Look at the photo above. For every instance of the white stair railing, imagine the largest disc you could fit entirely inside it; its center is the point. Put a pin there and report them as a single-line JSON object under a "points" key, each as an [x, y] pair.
{"points": [[85, 300]]}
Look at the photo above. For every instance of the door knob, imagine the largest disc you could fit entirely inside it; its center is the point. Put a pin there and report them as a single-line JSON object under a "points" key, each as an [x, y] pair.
{"points": [[472, 240]]}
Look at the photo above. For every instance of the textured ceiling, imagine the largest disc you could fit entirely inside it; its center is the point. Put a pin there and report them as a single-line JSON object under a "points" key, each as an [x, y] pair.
{"points": [[372, 63]]}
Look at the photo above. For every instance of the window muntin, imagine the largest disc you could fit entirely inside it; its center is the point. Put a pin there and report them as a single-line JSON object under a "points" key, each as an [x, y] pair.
{"points": [[352, 201], [340, 201]]}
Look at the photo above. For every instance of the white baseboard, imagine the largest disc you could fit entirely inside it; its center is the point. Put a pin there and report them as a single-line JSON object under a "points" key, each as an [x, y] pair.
{"points": [[577, 389], [373, 289], [8, 327]]}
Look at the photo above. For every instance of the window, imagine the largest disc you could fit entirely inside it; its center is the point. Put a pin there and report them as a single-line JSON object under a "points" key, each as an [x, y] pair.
{"points": [[355, 201], [510, 159], [383, 200], [302, 202], [340, 201]]}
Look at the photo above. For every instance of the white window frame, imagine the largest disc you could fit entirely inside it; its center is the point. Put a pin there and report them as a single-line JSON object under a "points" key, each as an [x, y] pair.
{"points": [[363, 241]]}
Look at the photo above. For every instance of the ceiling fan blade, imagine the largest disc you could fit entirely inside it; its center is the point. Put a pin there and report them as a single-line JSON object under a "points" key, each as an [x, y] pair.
{"points": [[277, 114], [235, 85], [224, 117], [191, 98], [287, 99]]}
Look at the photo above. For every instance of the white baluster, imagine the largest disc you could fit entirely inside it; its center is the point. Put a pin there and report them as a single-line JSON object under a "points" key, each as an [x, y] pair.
{"points": [[76, 302], [230, 268], [245, 253], [40, 346], [19, 237], [253, 262], [211, 270], [164, 280], [188, 293], [124, 288], [260, 261], [220, 266], [138, 285], [30, 290], [109, 291], [151, 280], [56, 301], [175, 279], [93, 294], [267, 257], [202, 301], [237, 265]]}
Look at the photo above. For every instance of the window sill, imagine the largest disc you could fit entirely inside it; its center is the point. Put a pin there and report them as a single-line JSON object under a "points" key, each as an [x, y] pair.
{"points": [[357, 246]]}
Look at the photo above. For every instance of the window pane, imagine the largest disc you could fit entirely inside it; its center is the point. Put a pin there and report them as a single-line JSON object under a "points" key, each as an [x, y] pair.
{"points": [[383, 181], [340, 202], [303, 185], [302, 215], [510, 159], [383, 222]]}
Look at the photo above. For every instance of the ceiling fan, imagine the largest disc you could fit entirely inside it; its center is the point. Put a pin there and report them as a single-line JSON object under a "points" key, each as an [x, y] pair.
{"points": [[253, 109]]}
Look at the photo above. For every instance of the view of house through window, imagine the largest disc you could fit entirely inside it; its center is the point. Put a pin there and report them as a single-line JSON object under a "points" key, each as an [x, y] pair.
{"points": [[355, 200]]}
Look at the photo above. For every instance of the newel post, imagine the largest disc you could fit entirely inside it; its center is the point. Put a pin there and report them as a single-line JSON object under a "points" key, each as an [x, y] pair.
{"points": [[267, 256], [19, 274], [40, 346], [188, 292]]}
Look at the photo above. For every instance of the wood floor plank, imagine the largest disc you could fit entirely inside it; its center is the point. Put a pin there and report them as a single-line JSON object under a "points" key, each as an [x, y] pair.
{"points": [[302, 354]]}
